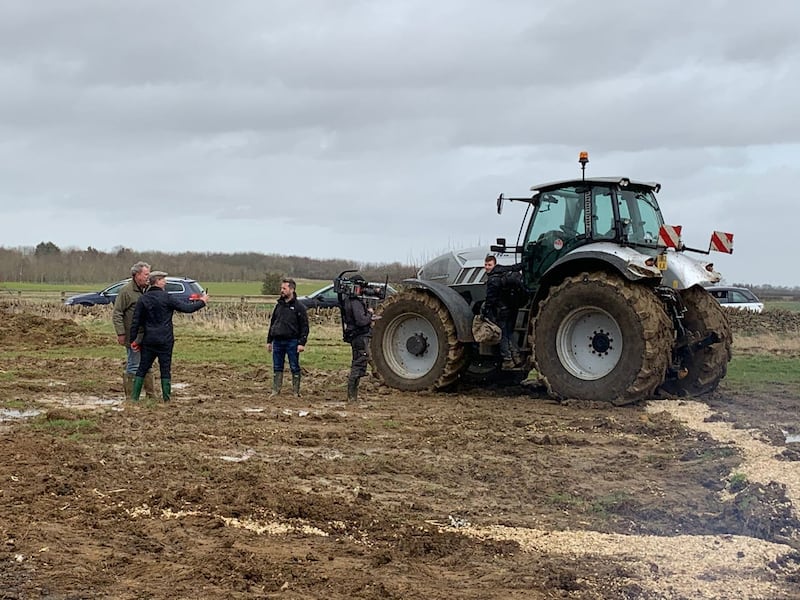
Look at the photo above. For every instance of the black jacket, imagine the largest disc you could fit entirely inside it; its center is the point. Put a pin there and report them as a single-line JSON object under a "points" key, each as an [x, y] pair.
{"points": [[357, 320], [289, 321], [496, 305], [152, 317]]}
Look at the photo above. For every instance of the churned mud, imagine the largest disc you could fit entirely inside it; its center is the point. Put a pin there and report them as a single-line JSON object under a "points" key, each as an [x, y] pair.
{"points": [[498, 493]]}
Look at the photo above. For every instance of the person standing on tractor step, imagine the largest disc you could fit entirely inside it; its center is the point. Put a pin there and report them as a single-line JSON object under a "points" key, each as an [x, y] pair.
{"points": [[287, 336], [357, 331], [122, 317], [152, 334], [499, 307]]}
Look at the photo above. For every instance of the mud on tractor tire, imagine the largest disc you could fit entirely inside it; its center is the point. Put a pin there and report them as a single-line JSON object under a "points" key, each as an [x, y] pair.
{"points": [[709, 365], [414, 344], [598, 337]]}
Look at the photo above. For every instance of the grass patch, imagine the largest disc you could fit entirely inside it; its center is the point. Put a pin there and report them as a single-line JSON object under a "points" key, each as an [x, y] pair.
{"points": [[16, 404], [760, 371], [565, 500], [792, 305], [610, 502], [74, 428]]}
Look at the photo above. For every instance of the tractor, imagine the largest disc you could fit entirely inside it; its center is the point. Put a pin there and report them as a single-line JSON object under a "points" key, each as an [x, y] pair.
{"points": [[616, 307]]}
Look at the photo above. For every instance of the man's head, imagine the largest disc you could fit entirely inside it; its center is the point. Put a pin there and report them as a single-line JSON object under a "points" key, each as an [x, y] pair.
{"points": [[489, 262], [288, 287], [140, 272], [158, 279]]}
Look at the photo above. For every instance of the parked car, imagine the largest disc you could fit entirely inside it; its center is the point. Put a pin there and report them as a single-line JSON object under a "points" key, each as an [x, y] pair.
{"points": [[326, 297], [734, 297], [187, 289]]}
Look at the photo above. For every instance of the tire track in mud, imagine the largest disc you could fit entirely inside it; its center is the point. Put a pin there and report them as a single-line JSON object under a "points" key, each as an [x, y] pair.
{"points": [[759, 462], [716, 567]]}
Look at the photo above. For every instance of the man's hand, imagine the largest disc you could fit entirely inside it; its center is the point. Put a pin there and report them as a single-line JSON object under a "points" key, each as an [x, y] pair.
{"points": [[300, 347], [269, 347], [135, 346], [121, 339]]}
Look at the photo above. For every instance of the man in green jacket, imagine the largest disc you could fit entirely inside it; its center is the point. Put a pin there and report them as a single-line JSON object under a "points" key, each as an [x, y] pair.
{"points": [[123, 319]]}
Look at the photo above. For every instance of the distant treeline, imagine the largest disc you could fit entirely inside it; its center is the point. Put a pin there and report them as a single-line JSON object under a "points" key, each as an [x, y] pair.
{"points": [[47, 263]]}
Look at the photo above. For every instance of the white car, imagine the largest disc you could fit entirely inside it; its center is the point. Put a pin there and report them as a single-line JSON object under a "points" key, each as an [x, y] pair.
{"points": [[734, 297]]}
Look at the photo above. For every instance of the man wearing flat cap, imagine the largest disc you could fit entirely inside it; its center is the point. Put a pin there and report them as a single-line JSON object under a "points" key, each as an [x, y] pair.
{"points": [[122, 317], [151, 331]]}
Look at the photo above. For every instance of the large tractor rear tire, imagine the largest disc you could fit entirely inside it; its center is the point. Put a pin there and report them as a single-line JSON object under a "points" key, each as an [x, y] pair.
{"points": [[599, 337], [414, 344], [709, 365]]}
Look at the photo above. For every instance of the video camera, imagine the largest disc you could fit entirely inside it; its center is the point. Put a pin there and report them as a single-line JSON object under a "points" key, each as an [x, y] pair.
{"points": [[357, 287]]}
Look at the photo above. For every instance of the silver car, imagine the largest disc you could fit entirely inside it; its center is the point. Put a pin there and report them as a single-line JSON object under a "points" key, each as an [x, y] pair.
{"points": [[735, 297]]}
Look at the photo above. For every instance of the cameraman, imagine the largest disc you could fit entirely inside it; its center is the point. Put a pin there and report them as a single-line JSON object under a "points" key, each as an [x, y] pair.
{"points": [[357, 320]]}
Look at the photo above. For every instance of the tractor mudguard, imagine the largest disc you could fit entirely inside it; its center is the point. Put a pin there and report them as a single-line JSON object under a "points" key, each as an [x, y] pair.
{"points": [[626, 261], [458, 308], [682, 272]]}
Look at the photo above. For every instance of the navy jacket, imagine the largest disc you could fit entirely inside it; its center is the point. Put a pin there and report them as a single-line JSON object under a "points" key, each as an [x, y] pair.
{"points": [[289, 321], [152, 317]]}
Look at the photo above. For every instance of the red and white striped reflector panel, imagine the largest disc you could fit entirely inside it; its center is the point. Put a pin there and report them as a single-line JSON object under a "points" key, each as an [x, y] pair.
{"points": [[721, 242], [670, 236]]}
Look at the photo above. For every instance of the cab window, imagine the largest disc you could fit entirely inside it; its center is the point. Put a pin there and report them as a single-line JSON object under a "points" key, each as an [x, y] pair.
{"points": [[603, 217]]}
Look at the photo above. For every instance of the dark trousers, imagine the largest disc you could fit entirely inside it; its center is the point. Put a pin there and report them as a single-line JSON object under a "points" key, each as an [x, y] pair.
{"points": [[152, 352], [507, 320], [360, 347], [281, 349]]}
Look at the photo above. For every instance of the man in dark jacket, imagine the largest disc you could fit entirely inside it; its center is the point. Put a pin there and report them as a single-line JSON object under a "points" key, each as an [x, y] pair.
{"points": [[287, 336], [499, 309], [151, 331], [357, 322]]}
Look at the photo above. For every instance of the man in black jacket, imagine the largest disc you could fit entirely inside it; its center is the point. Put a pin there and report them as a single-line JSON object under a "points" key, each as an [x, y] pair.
{"points": [[357, 322], [287, 336], [151, 331], [499, 308]]}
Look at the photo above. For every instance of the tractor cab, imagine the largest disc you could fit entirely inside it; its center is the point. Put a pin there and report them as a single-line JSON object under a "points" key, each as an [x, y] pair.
{"points": [[573, 213]]}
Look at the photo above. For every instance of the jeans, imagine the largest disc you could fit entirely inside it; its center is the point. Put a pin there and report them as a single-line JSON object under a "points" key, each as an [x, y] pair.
{"points": [[132, 362], [280, 350]]}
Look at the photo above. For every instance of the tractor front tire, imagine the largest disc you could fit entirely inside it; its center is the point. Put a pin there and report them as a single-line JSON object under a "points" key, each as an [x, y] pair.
{"points": [[707, 366]]}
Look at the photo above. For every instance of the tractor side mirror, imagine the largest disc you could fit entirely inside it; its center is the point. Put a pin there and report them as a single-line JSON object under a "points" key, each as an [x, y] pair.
{"points": [[500, 246], [500, 204]]}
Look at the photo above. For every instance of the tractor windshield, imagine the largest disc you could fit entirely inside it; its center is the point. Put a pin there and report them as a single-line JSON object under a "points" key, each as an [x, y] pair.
{"points": [[558, 216], [639, 215]]}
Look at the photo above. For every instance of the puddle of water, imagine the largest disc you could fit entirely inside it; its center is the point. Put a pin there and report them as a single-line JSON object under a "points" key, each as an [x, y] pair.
{"points": [[792, 438], [13, 414]]}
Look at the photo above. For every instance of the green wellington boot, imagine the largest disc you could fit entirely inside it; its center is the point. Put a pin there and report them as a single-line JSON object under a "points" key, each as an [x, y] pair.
{"points": [[138, 383], [166, 389]]}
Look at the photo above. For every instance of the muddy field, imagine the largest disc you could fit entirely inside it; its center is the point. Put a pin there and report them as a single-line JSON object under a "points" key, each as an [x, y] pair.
{"points": [[475, 494]]}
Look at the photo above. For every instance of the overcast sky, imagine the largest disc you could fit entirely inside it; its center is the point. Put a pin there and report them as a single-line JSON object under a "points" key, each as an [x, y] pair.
{"points": [[383, 131]]}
